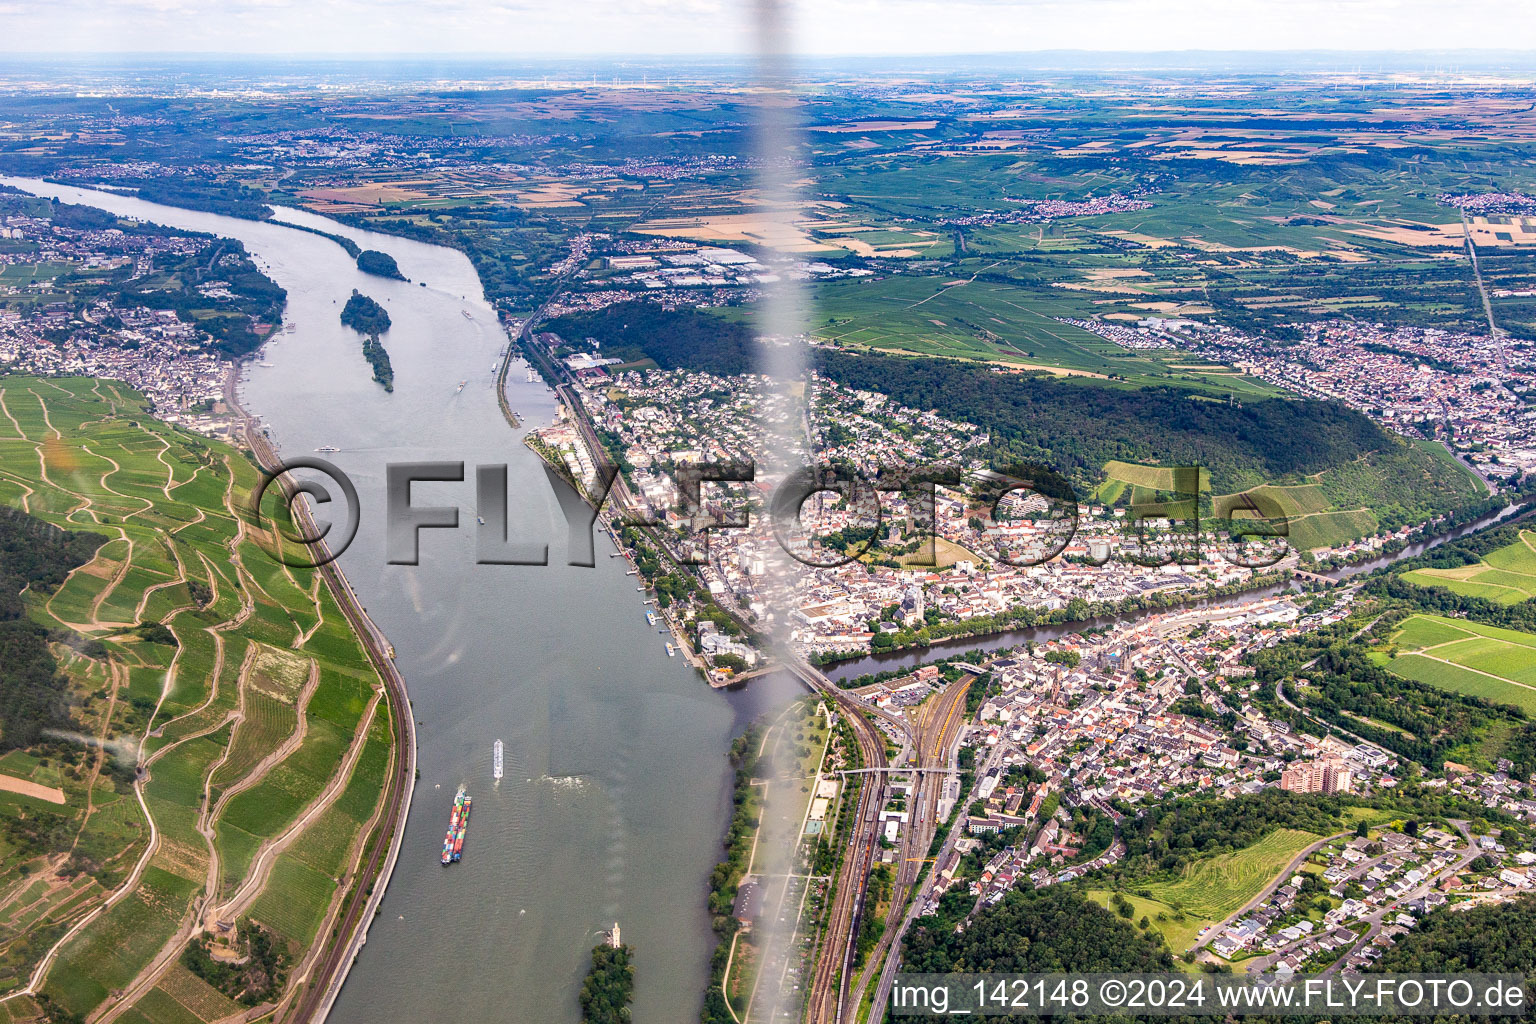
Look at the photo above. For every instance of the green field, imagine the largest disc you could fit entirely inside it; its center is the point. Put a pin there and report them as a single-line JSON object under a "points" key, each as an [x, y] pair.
{"points": [[1311, 520], [1211, 888], [1505, 576], [1216, 886], [1466, 657], [1005, 321], [210, 708], [1180, 935]]}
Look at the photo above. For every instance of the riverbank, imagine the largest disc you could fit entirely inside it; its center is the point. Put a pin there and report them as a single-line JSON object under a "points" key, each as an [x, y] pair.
{"points": [[616, 789], [328, 968]]}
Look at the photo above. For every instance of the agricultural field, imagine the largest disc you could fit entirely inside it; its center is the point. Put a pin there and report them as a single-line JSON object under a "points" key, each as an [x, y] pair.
{"points": [[1310, 516], [234, 680], [1465, 657], [1504, 576], [976, 314]]}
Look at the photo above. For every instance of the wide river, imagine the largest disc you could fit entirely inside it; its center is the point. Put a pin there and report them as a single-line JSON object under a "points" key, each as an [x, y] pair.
{"points": [[616, 791]]}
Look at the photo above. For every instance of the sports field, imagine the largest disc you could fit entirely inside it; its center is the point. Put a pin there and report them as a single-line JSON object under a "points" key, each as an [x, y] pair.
{"points": [[1466, 657], [1505, 576], [260, 722]]}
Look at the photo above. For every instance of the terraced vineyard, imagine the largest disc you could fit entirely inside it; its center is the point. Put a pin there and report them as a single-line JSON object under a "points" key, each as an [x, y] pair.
{"points": [[1216, 886], [1312, 519], [235, 681]]}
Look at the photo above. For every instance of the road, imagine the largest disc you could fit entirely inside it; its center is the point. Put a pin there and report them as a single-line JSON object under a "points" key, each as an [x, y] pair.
{"points": [[524, 335], [1268, 890], [1477, 275], [328, 969], [1377, 919]]}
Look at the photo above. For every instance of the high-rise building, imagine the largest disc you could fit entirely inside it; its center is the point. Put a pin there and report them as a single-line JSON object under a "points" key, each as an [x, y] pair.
{"points": [[1317, 777]]}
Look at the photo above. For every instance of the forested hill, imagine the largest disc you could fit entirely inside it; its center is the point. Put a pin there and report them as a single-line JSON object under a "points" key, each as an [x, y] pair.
{"points": [[1044, 931], [683, 339], [38, 554], [1484, 940], [35, 554], [1076, 427]]}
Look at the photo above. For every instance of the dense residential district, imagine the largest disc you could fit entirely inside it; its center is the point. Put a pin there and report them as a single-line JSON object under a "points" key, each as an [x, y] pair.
{"points": [[1472, 392], [167, 312], [1077, 735]]}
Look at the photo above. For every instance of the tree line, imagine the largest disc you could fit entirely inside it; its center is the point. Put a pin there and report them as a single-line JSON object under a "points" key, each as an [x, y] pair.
{"points": [[35, 555]]}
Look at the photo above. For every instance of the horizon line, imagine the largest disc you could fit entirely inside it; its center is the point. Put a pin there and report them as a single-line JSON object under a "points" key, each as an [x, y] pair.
{"points": [[747, 56]]}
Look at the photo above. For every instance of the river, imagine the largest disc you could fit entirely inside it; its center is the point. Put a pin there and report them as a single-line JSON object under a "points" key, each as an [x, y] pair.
{"points": [[616, 791], [911, 657]]}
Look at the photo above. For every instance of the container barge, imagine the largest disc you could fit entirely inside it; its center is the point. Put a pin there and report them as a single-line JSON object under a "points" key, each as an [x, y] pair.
{"points": [[458, 825]]}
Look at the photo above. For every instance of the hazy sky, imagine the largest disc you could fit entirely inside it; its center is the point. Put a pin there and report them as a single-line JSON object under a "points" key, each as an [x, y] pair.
{"points": [[542, 27]]}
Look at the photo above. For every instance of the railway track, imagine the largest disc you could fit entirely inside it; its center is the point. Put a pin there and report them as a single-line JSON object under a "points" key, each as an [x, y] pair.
{"points": [[325, 977], [830, 978], [835, 949], [937, 731]]}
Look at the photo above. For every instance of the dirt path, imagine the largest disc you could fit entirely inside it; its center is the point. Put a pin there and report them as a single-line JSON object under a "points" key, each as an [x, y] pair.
{"points": [[20, 434], [961, 284], [149, 591], [170, 471], [205, 914], [314, 596], [266, 856], [116, 469], [130, 884], [106, 591], [26, 499], [282, 752]]}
